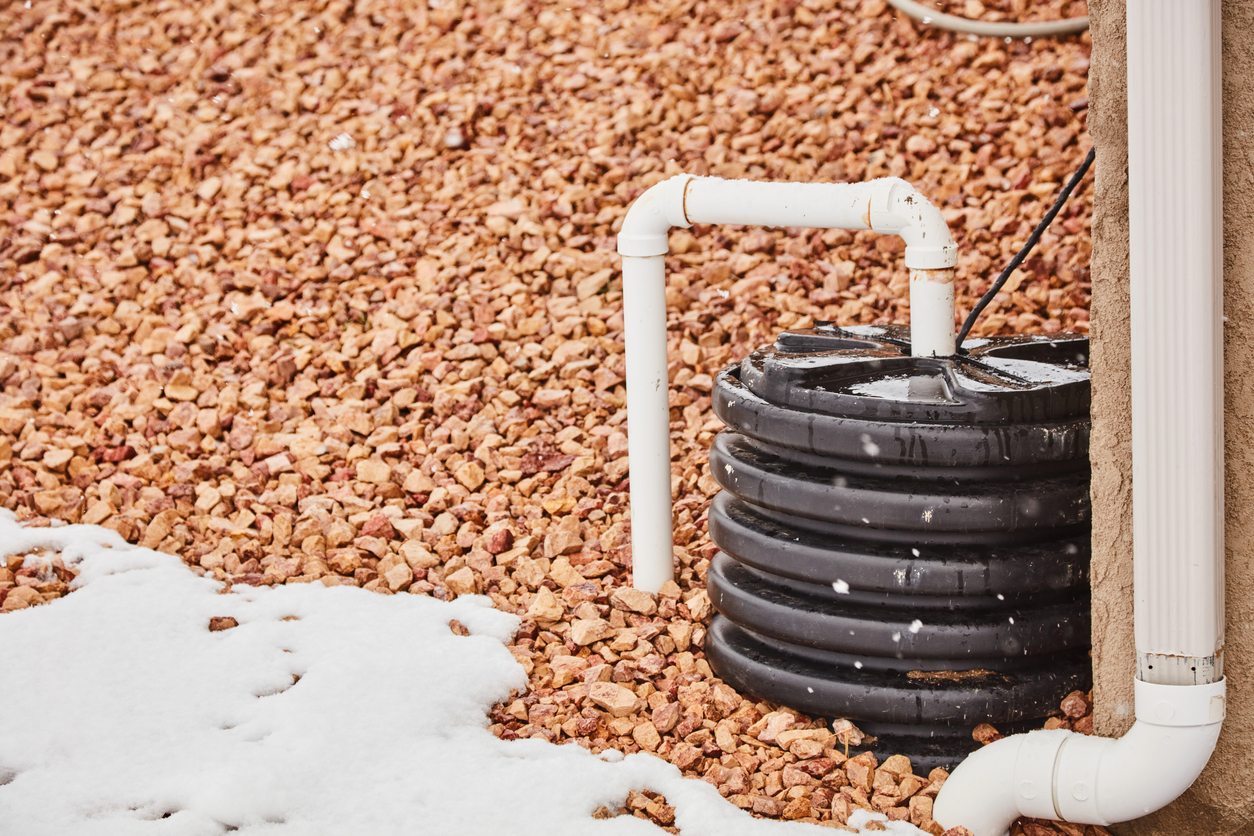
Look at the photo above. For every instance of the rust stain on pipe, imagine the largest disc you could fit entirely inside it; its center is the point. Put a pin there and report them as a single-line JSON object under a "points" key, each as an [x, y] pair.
{"points": [[866, 218], [943, 276]]}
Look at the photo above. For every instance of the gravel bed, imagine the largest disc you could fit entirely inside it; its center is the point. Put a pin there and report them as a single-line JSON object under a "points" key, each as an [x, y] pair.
{"points": [[326, 292]]}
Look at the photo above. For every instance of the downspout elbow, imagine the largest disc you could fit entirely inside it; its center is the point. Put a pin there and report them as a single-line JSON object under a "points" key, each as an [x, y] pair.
{"points": [[1065, 776], [651, 217]]}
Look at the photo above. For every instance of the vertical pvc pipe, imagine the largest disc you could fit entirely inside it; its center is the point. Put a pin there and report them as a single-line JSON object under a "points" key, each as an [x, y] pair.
{"points": [[1175, 223], [648, 421], [932, 313]]}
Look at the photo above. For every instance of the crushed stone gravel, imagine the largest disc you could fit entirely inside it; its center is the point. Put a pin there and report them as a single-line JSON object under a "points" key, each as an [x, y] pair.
{"points": [[326, 292]]}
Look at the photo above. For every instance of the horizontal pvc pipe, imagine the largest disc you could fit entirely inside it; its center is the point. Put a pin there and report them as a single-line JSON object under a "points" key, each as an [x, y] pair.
{"points": [[887, 206]]}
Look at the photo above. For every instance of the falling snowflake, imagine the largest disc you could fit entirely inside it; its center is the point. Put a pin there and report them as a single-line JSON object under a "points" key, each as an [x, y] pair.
{"points": [[869, 447]]}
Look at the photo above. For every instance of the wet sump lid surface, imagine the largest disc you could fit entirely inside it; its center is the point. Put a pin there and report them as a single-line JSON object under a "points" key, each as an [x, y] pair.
{"points": [[867, 372], [1006, 408]]}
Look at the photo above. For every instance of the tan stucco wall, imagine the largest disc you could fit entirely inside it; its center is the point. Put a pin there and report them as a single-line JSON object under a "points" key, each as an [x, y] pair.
{"points": [[1222, 800]]}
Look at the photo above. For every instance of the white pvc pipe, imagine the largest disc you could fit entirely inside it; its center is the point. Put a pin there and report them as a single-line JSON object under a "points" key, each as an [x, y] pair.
{"points": [[889, 206], [649, 422], [1175, 225]]}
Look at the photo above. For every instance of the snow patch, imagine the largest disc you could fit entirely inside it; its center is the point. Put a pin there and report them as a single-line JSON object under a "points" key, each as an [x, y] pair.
{"points": [[326, 710]]}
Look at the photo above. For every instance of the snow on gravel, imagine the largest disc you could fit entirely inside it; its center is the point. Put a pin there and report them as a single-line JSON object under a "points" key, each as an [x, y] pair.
{"points": [[324, 710]]}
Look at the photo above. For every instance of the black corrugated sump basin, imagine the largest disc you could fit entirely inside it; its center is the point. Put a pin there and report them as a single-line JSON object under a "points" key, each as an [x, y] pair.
{"points": [[904, 541]]}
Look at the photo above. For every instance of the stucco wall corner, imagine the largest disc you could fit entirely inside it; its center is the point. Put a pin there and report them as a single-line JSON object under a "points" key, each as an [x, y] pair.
{"points": [[1114, 657]]}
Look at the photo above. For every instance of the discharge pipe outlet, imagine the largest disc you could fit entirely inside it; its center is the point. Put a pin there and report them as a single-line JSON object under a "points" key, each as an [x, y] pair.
{"points": [[889, 205], [1175, 229]]}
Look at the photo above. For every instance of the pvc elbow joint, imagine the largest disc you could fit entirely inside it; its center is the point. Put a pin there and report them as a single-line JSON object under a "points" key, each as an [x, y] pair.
{"points": [[899, 209], [1065, 776], [652, 216]]}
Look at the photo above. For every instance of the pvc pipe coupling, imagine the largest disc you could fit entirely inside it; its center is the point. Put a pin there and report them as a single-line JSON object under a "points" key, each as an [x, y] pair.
{"points": [[888, 206]]}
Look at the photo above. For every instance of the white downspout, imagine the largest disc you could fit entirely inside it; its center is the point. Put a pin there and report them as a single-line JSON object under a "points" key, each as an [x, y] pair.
{"points": [[888, 205], [1175, 221]]}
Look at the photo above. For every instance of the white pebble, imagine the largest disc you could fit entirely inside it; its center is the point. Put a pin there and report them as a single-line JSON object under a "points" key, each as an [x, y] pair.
{"points": [[454, 139]]}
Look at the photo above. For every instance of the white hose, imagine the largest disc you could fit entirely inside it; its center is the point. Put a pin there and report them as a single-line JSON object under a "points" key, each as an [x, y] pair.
{"points": [[1036, 29]]}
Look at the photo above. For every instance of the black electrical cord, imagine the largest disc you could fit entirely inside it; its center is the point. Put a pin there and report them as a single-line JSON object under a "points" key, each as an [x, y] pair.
{"points": [[1023, 253]]}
